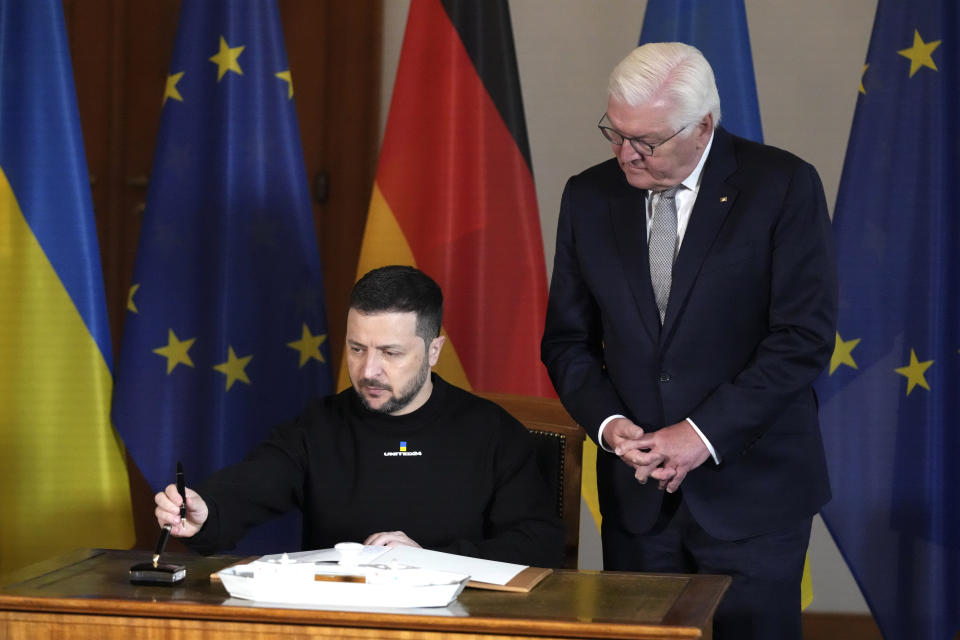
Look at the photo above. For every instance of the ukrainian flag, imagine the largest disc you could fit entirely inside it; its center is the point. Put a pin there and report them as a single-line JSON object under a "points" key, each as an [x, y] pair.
{"points": [[63, 483]]}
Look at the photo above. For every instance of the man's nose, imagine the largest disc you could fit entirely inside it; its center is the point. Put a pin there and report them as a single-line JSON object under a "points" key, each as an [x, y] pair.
{"points": [[626, 153], [372, 364]]}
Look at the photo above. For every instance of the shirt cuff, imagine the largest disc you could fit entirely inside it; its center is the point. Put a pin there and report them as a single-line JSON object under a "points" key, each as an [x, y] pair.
{"points": [[713, 454], [603, 445]]}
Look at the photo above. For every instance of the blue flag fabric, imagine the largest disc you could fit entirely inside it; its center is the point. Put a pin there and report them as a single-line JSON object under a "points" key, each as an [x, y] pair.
{"points": [[719, 29], [226, 330], [890, 405]]}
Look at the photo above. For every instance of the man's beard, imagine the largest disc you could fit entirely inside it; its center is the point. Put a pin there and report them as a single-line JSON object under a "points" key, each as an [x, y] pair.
{"points": [[398, 402]]}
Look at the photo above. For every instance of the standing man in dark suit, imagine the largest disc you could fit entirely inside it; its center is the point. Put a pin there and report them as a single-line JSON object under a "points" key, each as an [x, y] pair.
{"points": [[692, 305]]}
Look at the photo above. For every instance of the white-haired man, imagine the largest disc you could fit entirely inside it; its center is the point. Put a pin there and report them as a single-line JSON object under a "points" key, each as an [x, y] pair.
{"points": [[692, 305]]}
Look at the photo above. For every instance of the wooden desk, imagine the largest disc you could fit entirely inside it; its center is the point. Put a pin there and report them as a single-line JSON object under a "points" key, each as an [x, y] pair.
{"points": [[87, 595]]}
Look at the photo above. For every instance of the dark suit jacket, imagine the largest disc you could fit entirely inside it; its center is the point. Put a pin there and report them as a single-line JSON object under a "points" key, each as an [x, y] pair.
{"points": [[750, 324]]}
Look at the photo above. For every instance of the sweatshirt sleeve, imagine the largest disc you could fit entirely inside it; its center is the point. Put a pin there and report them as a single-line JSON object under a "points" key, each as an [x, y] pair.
{"points": [[266, 483], [520, 522]]}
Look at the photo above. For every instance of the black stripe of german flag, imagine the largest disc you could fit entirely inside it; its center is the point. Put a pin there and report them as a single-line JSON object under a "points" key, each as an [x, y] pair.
{"points": [[485, 29]]}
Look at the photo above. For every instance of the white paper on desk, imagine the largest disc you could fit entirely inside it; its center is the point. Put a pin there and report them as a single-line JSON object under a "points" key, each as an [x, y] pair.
{"points": [[367, 555], [489, 571], [479, 570]]}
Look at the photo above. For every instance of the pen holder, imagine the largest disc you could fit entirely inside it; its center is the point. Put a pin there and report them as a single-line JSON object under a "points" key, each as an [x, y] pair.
{"points": [[164, 573], [157, 572]]}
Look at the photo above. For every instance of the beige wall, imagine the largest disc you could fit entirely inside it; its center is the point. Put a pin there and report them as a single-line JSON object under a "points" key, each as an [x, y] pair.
{"points": [[807, 56]]}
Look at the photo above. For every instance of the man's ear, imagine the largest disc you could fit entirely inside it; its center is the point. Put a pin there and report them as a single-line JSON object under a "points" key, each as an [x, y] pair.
{"points": [[706, 125], [433, 351]]}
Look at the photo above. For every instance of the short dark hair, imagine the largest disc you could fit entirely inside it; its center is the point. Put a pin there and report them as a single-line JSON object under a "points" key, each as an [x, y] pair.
{"points": [[399, 288]]}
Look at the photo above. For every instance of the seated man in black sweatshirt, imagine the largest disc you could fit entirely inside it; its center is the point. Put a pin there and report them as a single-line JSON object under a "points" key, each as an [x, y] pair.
{"points": [[400, 458]]}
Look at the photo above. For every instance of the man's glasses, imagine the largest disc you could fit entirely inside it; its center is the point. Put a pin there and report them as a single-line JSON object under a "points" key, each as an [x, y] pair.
{"points": [[642, 147]]}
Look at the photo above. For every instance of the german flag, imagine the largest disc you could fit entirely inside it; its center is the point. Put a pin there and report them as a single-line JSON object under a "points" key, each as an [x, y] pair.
{"points": [[454, 194]]}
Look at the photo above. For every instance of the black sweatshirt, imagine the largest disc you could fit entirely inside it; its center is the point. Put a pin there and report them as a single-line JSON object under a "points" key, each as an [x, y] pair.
{"points": [[456, 475]]}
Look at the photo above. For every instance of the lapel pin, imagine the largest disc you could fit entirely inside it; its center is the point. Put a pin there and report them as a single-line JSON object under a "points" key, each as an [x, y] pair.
{"points": [[723, 198]]}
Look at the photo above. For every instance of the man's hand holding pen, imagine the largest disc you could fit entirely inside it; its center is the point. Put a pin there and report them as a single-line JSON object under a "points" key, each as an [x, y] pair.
{"points": [[167, 511]]}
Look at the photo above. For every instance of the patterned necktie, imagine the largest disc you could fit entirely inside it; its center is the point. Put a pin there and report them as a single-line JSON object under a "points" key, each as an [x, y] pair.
{"points": [[663, 246]]}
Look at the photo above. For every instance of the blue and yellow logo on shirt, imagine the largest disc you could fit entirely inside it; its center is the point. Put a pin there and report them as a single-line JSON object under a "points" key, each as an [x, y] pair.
{"points": [[402, 451]]}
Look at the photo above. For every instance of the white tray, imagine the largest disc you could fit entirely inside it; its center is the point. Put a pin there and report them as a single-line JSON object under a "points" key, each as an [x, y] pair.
{"points": [[298, 583]]}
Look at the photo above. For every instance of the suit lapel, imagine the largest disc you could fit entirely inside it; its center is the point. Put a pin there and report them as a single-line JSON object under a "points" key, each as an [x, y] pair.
{"points": [[629, 227], [714, 201]]}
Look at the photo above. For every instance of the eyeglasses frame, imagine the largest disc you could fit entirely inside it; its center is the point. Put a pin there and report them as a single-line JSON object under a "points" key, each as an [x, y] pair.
{"points": [[634, 142]]}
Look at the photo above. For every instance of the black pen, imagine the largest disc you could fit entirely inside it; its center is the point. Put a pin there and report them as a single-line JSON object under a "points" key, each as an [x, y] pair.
{"points": [[161, 543], [165, 531], [182, 490]]}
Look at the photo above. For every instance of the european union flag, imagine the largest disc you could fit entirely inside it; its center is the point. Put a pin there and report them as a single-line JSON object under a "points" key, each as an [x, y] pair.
{"points": [[719, 29], [226, 330], [890, 403]]}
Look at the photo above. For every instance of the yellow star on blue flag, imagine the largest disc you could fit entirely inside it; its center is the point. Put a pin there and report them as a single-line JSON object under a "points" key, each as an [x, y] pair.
{"points": [[227, 59], [920, 54]]}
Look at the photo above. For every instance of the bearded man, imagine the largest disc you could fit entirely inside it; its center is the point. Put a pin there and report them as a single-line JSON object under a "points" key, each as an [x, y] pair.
{"points": [[400, 458]]}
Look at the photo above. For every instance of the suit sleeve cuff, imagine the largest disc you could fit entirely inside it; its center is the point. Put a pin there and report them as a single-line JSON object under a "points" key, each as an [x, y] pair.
{"points": [[713, 453]]}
